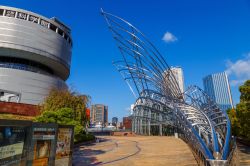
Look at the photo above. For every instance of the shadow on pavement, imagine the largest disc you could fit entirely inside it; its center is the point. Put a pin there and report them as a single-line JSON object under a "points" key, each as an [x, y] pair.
{"points": [[244, 148], [85, 157]]}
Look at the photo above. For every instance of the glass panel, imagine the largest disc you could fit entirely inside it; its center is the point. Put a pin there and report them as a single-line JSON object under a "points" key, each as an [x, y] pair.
{"points": [[60, 32], [42, 152], [1, 12], [53, 27], [66, 36], [11, 145]]}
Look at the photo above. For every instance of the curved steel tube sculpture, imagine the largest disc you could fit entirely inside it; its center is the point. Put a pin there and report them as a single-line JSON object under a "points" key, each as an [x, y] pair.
{"points": [[159, 99]]}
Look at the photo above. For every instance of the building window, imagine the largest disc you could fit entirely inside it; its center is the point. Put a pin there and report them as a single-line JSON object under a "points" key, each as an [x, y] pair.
{"points": [[9, 96], [1, 12], [23, 64], [53, 27], [10, 13], [60, 32], [66, 36], [33, 19], [22, 16], [70, 42]]}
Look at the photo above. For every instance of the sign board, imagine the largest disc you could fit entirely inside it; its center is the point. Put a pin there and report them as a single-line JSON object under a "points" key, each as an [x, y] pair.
{"points": [[26, 143], [43, 143], [64, 145], [13, 142], [11, 150]]}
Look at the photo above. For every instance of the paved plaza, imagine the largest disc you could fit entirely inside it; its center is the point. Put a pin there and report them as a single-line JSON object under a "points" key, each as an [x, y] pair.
{"points": [[134, 151], [244, 154]]}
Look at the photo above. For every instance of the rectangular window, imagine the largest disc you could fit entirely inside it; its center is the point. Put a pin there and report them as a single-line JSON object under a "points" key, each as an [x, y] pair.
{"points": [[33, 19], [10, 13], [70, 42], [22, 16], [66, 36], [1, 12], [60, 32], [53, 27]]}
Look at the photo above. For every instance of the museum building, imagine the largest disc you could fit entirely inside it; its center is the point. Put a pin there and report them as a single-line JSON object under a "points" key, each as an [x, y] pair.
{"points": [[35, 55]]}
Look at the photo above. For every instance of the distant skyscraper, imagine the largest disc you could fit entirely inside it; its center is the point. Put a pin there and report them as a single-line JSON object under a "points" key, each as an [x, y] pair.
{"points": [[99, 114], [218, 88], [114, 121], [178, 74]]}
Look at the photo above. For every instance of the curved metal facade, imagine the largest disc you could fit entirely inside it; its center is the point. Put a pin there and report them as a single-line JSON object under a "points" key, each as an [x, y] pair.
{"points": [[161, 105], [35, 54]]}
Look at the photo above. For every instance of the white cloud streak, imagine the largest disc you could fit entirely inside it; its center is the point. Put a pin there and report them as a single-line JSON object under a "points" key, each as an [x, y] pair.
{"points": [[239, 70], [169, 37]]}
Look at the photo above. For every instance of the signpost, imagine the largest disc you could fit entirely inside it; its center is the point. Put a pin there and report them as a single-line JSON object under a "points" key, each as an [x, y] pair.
{"points": [[65, 140], [14, 142], [26, 143], [43, 144]]}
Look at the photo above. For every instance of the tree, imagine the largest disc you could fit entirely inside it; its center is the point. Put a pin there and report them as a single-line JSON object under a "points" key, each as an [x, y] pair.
{"points": [[66, 107], [63, 116], [243, 110], [234, 121], [66, 98]]}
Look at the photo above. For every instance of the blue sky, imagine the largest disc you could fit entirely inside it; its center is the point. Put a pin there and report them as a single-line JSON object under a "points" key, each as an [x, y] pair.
{"points": [[210, 36]]}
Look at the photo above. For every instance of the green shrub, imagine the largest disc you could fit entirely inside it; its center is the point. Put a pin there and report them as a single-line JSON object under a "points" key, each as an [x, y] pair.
{"points": [[64, 116]]}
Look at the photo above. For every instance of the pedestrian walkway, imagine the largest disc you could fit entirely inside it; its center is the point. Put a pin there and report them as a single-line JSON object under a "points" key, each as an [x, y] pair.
{"points": [[134, 151], [244, 154]]}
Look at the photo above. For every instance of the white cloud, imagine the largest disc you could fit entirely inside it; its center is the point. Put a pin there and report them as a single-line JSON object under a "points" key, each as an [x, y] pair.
{"points": [[169, 37], [127, 109], [239, 70]]}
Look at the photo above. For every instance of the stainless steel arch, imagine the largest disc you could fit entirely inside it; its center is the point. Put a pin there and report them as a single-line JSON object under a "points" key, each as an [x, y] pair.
{"points": [[141, 60], [197, 118]]}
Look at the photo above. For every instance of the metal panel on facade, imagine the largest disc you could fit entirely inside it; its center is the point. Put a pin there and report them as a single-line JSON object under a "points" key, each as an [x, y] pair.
{"points": [[43, 44]]}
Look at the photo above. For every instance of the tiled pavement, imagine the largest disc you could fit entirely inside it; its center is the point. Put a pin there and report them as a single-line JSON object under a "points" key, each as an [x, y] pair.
{"points": [[243, 154], [134, 151]]}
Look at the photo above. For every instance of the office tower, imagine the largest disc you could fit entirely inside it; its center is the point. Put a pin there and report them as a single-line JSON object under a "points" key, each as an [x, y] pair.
{"points": [[99, 114], [178, 73], [114, 121], [179, 77], [218, 88]]}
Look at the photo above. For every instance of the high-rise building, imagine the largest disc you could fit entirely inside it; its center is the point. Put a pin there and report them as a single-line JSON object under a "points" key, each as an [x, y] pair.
{"points": [[114, 121], [178, 73], [179, 77], [119, 125], [218, 88], [35, 55], [99, 114]]}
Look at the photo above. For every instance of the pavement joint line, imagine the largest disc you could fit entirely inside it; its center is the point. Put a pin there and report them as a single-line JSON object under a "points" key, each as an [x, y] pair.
{"points": [[122, 158], [98, 146], [129, 150]]}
